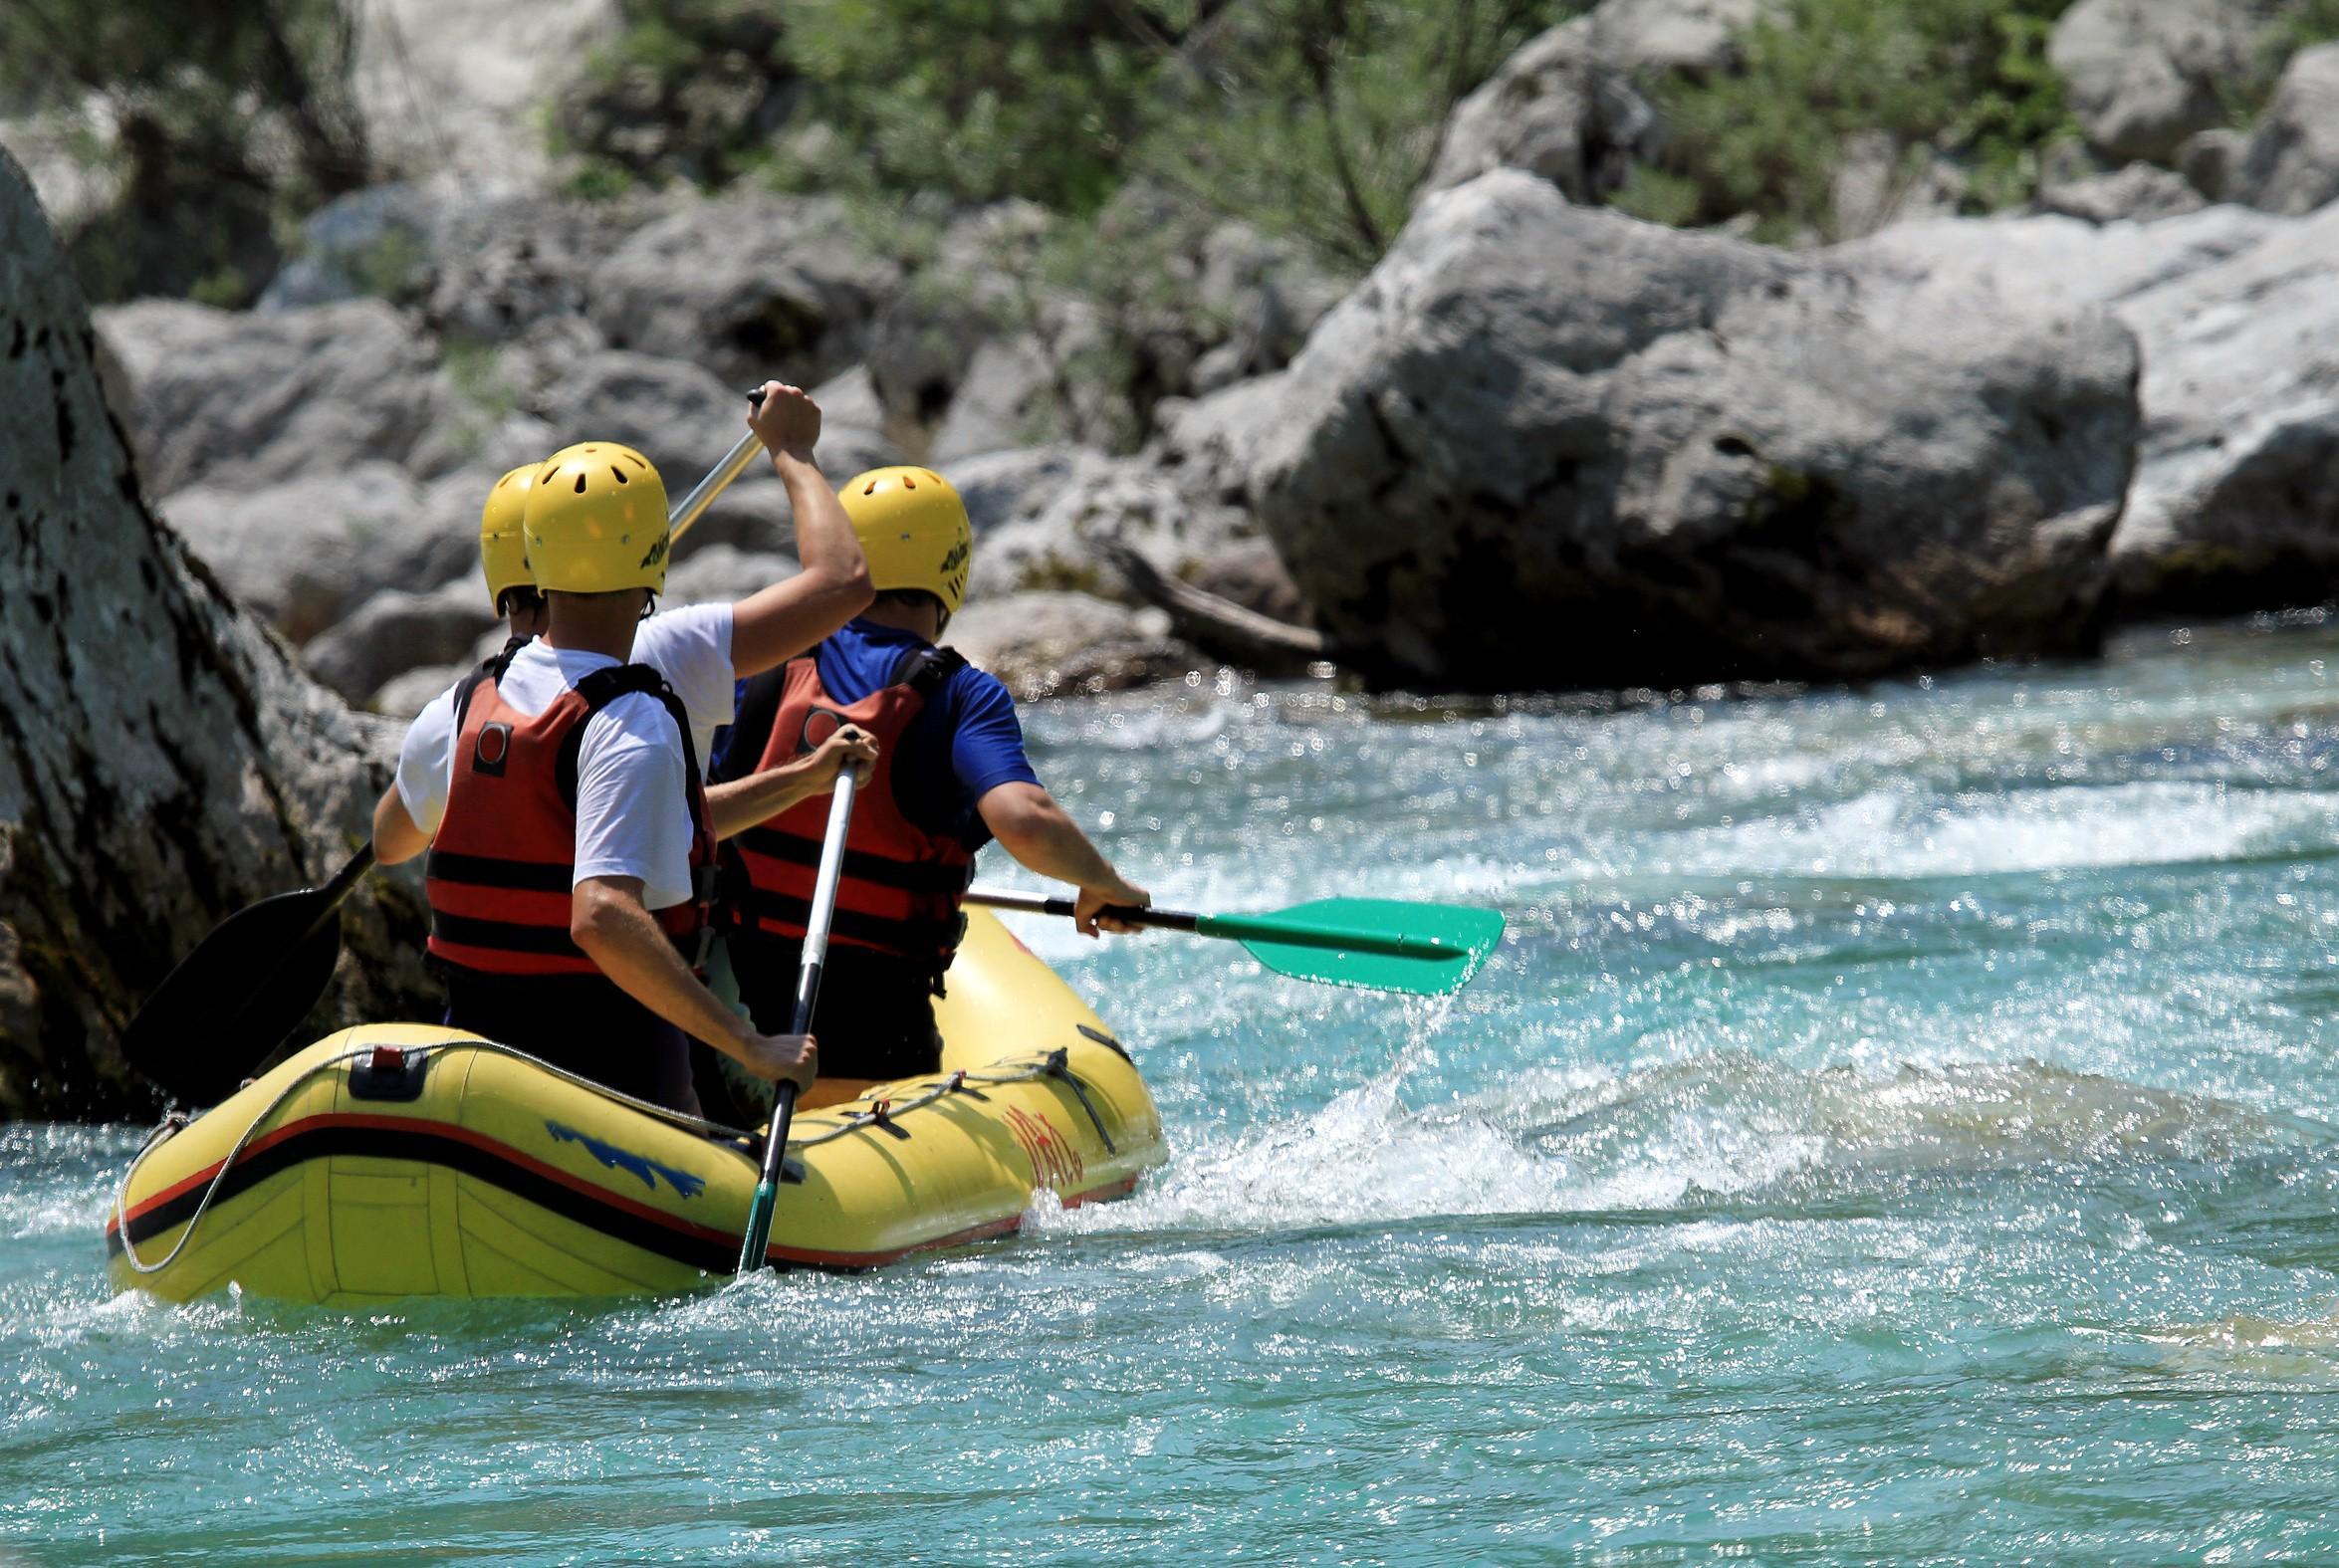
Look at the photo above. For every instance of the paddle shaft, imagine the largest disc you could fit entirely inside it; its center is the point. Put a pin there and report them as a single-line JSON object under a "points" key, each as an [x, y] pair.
{"points": [[808, 993], [1235, 928], [337, 891]]}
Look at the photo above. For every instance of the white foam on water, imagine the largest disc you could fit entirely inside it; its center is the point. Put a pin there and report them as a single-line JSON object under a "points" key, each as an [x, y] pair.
{"points": [[1704, 1128], [1893, 832]]}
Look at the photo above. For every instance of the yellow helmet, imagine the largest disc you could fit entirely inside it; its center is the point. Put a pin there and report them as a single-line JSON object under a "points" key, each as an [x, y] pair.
{"points": [[914, 530], [501, 555], [595, 521]]}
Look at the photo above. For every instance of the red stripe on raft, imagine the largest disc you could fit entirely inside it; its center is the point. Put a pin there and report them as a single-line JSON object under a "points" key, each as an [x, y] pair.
{"points": [[1008, 1226], [640, 1210]]}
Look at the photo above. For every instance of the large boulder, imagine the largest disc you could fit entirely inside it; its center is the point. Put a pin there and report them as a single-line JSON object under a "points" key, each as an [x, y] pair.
{"points": [[243, 399], [1674, 458], [161, 760], [745, 287], [2236, 499], [2142, 76], [2290, 163]]}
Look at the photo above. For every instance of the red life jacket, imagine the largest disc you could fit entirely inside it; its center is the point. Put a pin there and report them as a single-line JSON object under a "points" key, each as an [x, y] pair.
{"points": [[902, 886], [503, 861]]}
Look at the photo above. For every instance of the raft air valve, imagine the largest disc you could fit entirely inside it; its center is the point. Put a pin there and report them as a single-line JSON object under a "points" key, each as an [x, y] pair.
{"points": [[393, 1073]]}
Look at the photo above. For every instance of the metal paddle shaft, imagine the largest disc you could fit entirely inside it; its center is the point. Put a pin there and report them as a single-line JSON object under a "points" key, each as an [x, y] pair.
{"points": [[807, 993], [1379, 944], [702, 494], [260, 971]]}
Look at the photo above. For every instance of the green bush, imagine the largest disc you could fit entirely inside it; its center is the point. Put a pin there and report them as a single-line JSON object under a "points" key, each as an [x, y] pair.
{"points": [[1969, 78]]}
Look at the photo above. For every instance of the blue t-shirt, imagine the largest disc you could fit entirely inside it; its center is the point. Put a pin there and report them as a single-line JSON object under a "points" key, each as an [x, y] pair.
{"points": [[963, 744]]}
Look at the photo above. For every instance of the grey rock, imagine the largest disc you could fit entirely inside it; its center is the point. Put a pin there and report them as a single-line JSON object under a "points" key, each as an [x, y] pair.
{"points": [[708, 573], [403, 696], [2142, 76], [1067, 644], [396, 630], [1698, 37], [1072, 504], [1248, 572], [163, 762], [374, 242], [506, 263], [1572, 104], [2138, 193], [2291, 162], [1699, 460], [2212, 161], [850, 398], [1880, 182], [1007, 398], [1558, 109], [1014, 484], [244, 399], [305, 553], [2236, 499], [749, 288]]}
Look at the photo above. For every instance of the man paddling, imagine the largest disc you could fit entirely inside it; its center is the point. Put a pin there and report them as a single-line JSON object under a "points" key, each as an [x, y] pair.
{"points": [[687, 646], [561, 783], [950, 776]]}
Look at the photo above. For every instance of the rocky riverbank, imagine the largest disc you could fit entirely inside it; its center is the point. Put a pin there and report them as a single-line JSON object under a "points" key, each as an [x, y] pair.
{"points": [[1539, 443]]}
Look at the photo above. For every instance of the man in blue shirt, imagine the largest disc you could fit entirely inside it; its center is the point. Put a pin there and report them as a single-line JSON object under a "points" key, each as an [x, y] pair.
{"points": [[950, 776]]}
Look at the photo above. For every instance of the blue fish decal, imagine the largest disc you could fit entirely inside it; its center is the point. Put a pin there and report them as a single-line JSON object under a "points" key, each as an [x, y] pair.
{"points": [[684, 1184]]}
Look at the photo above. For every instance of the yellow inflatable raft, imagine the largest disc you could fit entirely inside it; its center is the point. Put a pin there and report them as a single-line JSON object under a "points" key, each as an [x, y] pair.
{"points": [[401, 1159]]}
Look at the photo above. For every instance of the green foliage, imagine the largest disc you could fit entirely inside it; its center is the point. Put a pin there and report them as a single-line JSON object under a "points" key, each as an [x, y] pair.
{"points": [[689, 89], [2302, 24], [985, 97], [1317, 119], [1966, 76], [232, 117]]}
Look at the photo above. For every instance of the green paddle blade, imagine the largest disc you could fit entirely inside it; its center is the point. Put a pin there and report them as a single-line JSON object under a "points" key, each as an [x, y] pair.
{"points": [[1379, 944]]}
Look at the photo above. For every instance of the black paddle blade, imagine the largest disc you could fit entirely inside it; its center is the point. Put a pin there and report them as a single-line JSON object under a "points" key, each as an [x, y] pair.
{"points": [[232, 1000]]}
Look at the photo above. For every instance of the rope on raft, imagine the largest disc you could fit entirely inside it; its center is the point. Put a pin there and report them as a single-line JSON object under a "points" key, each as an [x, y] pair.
{"points": [[1051, 1065]]}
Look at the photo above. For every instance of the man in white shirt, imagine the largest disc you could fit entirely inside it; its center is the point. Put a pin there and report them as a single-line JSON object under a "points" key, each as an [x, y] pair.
{"points": [[558, 788]]}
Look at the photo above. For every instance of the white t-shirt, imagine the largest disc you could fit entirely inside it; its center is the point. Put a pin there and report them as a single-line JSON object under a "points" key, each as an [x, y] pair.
{"points": [[632, 795]]}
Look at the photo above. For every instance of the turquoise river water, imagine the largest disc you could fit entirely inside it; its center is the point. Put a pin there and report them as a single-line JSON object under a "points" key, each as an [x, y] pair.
{"points": [[1902, 1126]]}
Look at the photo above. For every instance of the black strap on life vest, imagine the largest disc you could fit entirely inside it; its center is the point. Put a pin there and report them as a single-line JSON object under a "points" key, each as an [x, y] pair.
{"points": [[923, 670], [491, 668], [604, 687]]}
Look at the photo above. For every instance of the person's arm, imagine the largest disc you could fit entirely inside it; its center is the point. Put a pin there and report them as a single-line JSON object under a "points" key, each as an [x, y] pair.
{"points": [[610, 922], [407, 815], [743, 803], [395, 837], [1027, 822], [786, 618]]}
